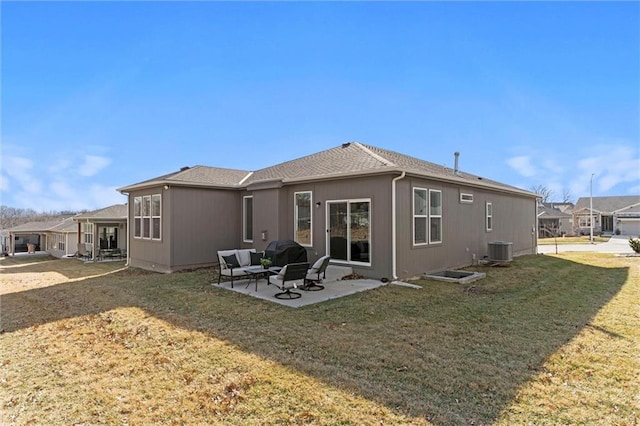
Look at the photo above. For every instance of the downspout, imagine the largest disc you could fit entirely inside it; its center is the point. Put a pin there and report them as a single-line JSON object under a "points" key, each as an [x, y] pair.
{"points": [[394, 254], [128, 262]]}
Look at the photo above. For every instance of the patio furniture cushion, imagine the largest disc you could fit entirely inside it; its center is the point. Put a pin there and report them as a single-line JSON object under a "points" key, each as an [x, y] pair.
{"points": [[255, 258], [244, 257], [316, 274], [290, 277], [320, 265], [231, 261], [283, 271]]}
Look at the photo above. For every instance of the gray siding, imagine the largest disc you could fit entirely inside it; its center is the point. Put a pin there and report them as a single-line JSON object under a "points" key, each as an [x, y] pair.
{"points": [[196, 223], [464, 231], [266, 218], [202, 221], [375, 188]]}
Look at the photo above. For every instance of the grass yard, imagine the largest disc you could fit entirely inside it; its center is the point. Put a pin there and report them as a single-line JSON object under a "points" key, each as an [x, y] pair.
{"points": [[572, 240], [548, 340]]}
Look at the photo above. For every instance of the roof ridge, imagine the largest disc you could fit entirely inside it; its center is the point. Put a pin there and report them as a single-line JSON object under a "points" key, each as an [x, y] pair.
{"points": [[380, 158]]}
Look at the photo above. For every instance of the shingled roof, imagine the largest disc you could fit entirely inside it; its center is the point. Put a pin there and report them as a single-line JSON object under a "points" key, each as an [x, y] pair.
{"points": [[114, 212], [608, 204], [348, 159], [63, 225], [195, 176], [355, 158]]}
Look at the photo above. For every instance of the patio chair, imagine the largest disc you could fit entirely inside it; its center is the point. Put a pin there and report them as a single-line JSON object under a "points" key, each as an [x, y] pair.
{"points": [[288, 278], [316, 274], [83, 253]]}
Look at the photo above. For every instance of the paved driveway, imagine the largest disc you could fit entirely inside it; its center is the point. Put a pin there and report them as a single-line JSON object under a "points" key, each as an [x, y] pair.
{"points": [[617, 244]]}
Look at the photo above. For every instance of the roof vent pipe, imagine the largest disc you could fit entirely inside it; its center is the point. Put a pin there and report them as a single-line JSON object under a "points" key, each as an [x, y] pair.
{"points": [[455, 166]]}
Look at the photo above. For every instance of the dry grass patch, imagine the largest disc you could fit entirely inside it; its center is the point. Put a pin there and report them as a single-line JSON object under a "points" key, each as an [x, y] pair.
{"points": [[549, 340]]}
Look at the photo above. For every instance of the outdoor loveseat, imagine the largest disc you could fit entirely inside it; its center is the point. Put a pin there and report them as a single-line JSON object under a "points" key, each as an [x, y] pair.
{"points": [[233, 263]]}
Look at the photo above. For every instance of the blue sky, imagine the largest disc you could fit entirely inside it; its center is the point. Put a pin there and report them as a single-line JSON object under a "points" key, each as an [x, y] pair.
{"points": [[98, 95]]}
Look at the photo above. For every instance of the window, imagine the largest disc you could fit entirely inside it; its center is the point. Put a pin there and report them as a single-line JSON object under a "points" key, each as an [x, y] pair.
{"points": [[427, 216], [137, 217], [155, 216], [61, 242], [584, 221], [466, 198], [419, 216], [87, 231], [489, 216], [247, 218], [349, 226], [302, 218], [435, 216], [147, 217]]}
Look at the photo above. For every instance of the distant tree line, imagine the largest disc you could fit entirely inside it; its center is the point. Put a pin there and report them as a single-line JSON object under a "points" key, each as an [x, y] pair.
{"points": [[546, 193], [14, 216]]}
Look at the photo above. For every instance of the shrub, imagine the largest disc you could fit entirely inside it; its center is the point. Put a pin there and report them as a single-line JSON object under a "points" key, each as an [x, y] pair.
{"points": [[635, 244]]}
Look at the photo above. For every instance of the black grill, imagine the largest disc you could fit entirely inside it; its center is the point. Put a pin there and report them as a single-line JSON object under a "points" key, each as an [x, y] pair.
{"points": [[283, 252]]}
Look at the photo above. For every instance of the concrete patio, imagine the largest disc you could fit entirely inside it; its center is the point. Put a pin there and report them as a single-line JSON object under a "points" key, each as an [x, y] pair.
{"points": [[334, 287]]}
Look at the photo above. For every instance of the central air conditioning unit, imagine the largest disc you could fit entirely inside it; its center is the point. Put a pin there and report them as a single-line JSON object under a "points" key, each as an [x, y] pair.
{"points": [[500, 251]]}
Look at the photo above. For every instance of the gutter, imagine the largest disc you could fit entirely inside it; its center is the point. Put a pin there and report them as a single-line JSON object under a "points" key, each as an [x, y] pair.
{"points": [[394, 219]]}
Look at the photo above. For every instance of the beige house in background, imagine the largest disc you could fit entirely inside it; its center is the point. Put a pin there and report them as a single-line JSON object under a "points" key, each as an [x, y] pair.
{"points": [[100, 229], [57, 237], [614, 214], [103, 229], [385, 214]]}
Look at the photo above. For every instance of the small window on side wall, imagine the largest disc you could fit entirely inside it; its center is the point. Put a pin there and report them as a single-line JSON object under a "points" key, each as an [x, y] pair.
{"points": [[489, 216], [466, 198]]}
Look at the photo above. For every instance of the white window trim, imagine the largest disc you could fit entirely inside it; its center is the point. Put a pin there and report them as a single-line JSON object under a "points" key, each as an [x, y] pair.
{"points": [[149, 216], [159, 217], [295, 218], [489, 216], [327, 219], [414, 215], [87, 230], [431, 216], [469, 198], [244, 218], [137, 231]]}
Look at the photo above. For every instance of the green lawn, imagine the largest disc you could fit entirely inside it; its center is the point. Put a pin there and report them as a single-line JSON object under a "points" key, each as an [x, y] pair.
{"points": [[548, 340]]}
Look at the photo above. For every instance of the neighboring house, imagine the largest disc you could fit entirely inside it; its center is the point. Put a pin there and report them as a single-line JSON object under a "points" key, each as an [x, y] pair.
{"points": [[102, 229], [383, 213], [563, 207], [616, 214], [4, 241], [552, 222], [57, 237]]}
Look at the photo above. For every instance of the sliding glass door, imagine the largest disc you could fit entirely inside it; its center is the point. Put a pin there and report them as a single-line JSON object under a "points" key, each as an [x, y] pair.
{"points": [[349, 231]]}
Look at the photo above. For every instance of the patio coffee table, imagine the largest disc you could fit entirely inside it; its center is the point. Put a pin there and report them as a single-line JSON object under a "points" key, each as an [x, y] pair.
{"points": [[257, 272]]}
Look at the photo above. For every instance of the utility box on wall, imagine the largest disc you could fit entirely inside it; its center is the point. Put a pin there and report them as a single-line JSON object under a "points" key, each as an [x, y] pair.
{"points": [[500, 251]]}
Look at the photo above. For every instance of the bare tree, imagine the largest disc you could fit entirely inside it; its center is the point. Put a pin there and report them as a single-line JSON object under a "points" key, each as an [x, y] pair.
{"points": [[12, 216], [566, 196], [543, 191]]}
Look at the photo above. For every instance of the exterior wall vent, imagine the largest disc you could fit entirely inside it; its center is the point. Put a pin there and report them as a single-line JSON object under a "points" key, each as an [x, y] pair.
{"points": [[500, 251]]}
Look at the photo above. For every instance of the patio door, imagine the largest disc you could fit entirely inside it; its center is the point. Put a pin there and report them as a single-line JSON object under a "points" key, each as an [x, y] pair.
{"points": [[607, 223], [349, 231]]}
